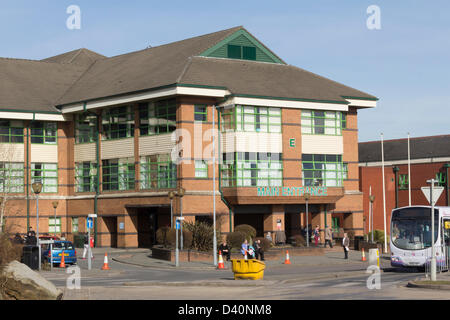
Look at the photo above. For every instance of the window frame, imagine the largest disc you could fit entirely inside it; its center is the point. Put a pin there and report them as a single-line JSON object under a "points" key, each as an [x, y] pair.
{"points": [[203, 114], [161, 174], [312, 120], [125, 177], [92, 176], [10, 135], [241, 123], [158, 118], [319, 166], [111, 123], [6, 174], [84, 125], [45, 129], [201, 169], [54, 225], [44, 178]]}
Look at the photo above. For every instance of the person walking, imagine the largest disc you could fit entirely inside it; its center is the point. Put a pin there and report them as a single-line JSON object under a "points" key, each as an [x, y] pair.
{"points": [[225, 250], [316, 236], [345, 244], [86, 246], [328, 237]]}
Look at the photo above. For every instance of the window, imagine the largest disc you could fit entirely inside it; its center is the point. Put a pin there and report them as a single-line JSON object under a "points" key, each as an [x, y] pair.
{"points": [[200, 113], [241, 52], [344, 120], [11, 131], [158, 172], [249, 169], [321, 122], [322, 170], [345, 171], [86, 176], [11, 177], [118, 174], [157, 117], [252, 119], [403, 181], [74, 225], [441, 179], [43, 132], [85, 128], [118, 123], [47, 174], [201, 169], [335, 224], [54, 226]]}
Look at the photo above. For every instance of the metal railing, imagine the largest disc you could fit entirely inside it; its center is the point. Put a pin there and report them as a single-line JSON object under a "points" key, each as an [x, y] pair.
{"points": [[442, 260]]}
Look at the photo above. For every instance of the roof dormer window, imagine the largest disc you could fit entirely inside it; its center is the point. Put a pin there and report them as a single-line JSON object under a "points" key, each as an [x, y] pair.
{"points": [[241, 52]]}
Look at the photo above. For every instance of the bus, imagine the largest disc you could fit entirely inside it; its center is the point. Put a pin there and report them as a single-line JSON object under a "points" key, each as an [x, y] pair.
{"points": [[410, 239]]}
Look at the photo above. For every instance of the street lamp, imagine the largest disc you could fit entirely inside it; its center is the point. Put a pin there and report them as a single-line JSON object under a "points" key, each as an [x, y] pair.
{"points": [[371, 199], [307, 196], [55, 205], [171, 196], [37, 188], [180, 193]]}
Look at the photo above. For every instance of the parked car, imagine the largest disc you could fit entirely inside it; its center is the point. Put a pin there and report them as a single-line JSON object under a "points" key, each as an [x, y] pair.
{"points": [[59, 246], [48, 237]]}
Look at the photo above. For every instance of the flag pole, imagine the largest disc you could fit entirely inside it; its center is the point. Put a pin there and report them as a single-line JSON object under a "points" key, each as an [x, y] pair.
{"points": [[409, 172], [384, 195]]}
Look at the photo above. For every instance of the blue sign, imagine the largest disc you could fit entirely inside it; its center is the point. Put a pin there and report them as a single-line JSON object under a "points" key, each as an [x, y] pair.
{"points": [[89, 223], [177, 225]]}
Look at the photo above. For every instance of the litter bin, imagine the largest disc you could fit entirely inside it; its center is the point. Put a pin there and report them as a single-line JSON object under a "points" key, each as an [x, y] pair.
{"points": [[248, 269], [30, 257]]}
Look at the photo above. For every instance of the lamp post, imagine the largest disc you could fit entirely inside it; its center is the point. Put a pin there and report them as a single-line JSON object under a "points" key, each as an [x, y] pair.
{"points": [[180, 193], [307, 196], [37, 188], [171, 196], [371, 199], [55, 205]]}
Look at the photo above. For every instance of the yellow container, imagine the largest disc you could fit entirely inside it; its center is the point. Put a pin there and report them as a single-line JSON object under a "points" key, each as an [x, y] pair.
{"points": [[248, 269]]}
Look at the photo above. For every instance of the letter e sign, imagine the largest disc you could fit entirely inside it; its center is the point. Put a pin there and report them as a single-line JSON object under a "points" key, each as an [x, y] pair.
{"points": [[292, 142]]}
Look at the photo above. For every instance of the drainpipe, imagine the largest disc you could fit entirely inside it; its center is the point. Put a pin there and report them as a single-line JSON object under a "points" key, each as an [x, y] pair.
{"points": [[446, 166], [28, 170], [396, 170]]}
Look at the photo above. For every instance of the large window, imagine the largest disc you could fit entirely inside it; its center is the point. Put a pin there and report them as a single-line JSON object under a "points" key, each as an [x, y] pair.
{"points": [[118, 123], [85, 128], [249, 169], [118, 174], [252, 119], [11, 131], [47, 174], [158, 172], [322, 170], [321, 122], [43, 132], [157, 117], [54, 225], [11, 177], [86, 176]]}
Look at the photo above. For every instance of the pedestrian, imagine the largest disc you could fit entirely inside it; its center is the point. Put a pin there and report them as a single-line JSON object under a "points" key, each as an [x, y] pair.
{"points": [[328, 236], [269, 237], [316, 236], [86, 246], [259, 252], [225, 250], [31, 237], [345, 244]]}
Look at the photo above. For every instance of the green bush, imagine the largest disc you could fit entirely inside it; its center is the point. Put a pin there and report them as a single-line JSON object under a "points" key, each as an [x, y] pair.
{"points": [[187, 238], [235, 239], [299, 241], [265, 243], [203, 235], [248, 230], [161, 236], [378, 236]]}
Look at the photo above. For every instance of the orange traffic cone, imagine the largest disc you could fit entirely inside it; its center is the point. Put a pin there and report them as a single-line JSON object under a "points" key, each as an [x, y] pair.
{"points": [[287, 261], [105, 262], [245, 255], [220, 265], [62, 264], [363, 255]]}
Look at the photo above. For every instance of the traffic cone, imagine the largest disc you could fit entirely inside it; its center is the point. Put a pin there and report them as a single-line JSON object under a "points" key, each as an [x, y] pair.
{"points": [[245, 255], [62, 264], [105, 262], [363, 255], [287, 261], [220, 265]]}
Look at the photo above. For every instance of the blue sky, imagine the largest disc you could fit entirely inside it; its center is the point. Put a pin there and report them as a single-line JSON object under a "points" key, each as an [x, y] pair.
{"points": [[405, 64]]}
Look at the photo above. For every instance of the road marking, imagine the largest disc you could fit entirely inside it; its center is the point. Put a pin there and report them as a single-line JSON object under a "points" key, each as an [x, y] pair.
{"points": [[347, 284], [306, 285]]}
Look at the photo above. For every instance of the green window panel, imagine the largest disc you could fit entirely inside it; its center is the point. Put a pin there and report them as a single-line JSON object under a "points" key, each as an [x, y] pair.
{"points": [[321, 122], [234, 52], [335, 224], [47, 174], [157, 172], [345, 171], [344, 120], [11, 177], [252, 119], [403, 181], [241, 52], [11, 131], [85, 176], [74, 225], [201, 169], [250, 169], [157, 117], [200, 113], [85, 128], [249, 53], [322, 170], [118, 174], [54, 226], [43, 132], [118, 123], [441, 179]]}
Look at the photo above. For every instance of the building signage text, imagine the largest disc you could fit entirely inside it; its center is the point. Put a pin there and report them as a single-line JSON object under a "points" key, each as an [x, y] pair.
{"points": [[291, 191]]}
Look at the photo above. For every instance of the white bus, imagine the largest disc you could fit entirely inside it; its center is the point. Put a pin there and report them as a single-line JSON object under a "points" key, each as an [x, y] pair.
{"points": [[411, 236]]}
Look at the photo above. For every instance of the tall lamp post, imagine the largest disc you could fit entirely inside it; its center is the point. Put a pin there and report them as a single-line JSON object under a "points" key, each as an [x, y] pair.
{"points": [[171, 196], [55, 205], [180, 193], [307, 196], [37, 188], [371, 199]]}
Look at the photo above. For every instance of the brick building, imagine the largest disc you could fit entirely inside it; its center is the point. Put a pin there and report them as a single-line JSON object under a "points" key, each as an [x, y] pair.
{"points": [[430, 158], [113, 136]]}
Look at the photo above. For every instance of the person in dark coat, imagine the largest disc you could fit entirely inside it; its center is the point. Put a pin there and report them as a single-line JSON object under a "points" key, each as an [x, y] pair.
{"points": [[225, 250], [259, 252]]}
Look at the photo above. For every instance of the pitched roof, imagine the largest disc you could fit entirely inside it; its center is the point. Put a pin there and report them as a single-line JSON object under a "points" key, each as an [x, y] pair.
{"points": [[82, 57], [420, 148]]}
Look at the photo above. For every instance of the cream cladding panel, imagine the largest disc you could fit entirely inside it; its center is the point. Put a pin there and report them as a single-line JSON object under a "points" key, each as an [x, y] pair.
{"points": [[85, 152], [12, 152], [252, 142], [121, 148], [156, 144], [44, 153], [318, 144]]}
